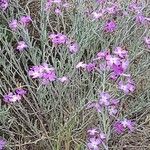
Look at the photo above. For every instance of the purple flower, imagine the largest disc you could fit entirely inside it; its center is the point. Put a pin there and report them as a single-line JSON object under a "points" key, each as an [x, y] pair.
{"points": [[118, 70], [125, 64], [25, 20], [43, 72], [93, 143], [20, 91], [104, 67], [140, 19], [112, 110], [113, 76], [3, 4], [13, 25], [81, 65], [110, 26], [128, 124], [2, 143], [36, 72], [120, 52], [113, 9], [97, 15], [118, 127], [134, 7], [63, 79], [10, 97], [147, 41], [48, 77], [114, 102], [90, 67], [102, 55], [121, 126], [21, 46], [58, 11], [92, 131], [127, 87], [73, 47], [112, 60], [58, 38], [104, 99]]}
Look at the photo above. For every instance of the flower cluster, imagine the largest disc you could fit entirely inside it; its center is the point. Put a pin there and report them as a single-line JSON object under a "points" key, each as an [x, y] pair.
{"points": [[46, 74], [60, 38], [12, 97], [121, 126], [58, 6], [3, 4], [116, 64], [95, 138], [23, 21], [43, 72], [21, 46], [2, 144], [106, 101]]}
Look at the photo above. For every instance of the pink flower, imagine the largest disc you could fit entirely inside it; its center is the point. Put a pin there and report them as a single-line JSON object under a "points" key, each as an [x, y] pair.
{"points": [[124, 64], [127, 87], [11, 97], [120, 52], [104, 99], [2, 143], [25, 20], [20, 91], [110, 26], [36, 72], [128, 124], [140, 19], [113, 9], [43, 72], [81, 65], [118, 127], [58, 11], [90, 67], [93, 143], [112, 111], [135, 7], [58, 38], [112, 60], [118, 70], [102, 54], [48, 77], [93, 131], [63, 79], [97, 15], [73, 47], [3, 4], [13, 25], [147, 41], [21, 46]]}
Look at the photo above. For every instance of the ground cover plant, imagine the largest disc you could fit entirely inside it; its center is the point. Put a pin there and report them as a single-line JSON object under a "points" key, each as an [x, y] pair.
{"points": [[74, 75]]}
